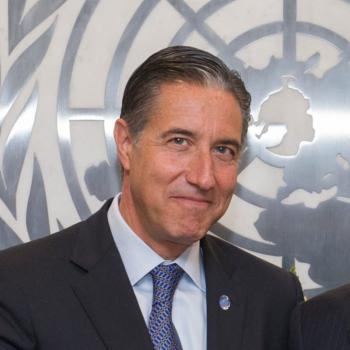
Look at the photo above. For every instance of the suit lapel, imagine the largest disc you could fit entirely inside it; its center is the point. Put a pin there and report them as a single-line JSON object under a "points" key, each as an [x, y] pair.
{"points": [[107, 297], [224, 327], [104, 290]]}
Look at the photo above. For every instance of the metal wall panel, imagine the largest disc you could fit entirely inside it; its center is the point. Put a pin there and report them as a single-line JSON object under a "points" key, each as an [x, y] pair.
{"points": [[63, 67]]}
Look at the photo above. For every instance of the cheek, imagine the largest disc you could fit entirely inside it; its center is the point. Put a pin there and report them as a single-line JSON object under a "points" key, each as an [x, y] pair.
{"points": [[169, 166], [226, 181]]}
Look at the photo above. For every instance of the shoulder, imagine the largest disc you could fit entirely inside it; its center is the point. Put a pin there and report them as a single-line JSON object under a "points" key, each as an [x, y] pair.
{"points": [[242, 259], [332, 304], [26, 258], [323, 321], [55, 249], [255, 271]]}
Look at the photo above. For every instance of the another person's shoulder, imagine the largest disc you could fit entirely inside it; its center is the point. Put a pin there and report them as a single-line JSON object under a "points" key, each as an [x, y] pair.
{"points": [[322, 321], [334, 303]]}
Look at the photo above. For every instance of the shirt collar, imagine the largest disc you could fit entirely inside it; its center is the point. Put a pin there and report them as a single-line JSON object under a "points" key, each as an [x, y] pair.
{"points": [[139, 259]]}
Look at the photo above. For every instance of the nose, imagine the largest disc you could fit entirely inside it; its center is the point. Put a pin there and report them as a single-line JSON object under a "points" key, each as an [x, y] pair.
{"points": [[201, 171]]}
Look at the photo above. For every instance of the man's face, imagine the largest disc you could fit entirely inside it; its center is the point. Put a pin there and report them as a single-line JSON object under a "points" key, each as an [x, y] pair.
{"points": [[180, 175]]}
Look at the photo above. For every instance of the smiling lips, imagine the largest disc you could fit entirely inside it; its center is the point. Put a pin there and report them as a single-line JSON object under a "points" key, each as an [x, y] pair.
{"points": [[192, 201]]}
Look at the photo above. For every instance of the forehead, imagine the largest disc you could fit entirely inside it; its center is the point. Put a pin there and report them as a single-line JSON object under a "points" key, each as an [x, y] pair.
{"points": [[197, 105]]}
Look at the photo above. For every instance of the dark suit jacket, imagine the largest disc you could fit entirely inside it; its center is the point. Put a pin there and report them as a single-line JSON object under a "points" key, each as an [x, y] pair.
{"points": [[70, 291], [323, 322]]}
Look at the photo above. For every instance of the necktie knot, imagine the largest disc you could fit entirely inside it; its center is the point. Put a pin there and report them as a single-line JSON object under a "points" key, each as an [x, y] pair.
{"points": [[165, 280]]}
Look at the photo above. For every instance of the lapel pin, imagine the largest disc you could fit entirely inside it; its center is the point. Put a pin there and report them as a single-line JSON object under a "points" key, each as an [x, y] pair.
{"points": [[224, 302]]}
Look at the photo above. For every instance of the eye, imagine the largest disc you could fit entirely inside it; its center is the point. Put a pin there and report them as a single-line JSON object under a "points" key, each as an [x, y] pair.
{"points": [[223, 149], [226, 153], [179, 141]]}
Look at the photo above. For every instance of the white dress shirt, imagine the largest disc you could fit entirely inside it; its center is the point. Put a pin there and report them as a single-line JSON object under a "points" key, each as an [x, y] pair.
{"points": [[189, 312]]}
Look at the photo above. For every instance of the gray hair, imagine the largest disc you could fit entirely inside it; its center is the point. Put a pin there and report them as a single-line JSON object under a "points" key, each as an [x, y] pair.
{"points": [[179, 64]]}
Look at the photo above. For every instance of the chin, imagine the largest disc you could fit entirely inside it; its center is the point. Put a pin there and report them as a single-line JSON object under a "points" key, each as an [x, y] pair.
{"points": [[189, 236]]}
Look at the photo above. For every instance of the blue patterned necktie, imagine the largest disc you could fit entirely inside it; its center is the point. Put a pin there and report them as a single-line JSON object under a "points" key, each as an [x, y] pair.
{"points": [[161, 328]]}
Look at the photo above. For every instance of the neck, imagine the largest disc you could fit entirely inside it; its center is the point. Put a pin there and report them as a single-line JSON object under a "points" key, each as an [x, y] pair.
{"points": [[167, 249]]}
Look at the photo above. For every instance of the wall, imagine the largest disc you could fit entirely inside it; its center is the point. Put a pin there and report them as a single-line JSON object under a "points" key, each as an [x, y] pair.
{"points": [[63, 68]]}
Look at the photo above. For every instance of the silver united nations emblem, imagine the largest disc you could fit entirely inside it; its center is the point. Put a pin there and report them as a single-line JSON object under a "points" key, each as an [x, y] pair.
{"points": [[293, 195]]}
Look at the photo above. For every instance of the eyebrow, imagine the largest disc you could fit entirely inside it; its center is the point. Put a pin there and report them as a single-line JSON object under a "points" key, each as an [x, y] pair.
{"points": [[180, 131], [231, 142], [189, 133]]}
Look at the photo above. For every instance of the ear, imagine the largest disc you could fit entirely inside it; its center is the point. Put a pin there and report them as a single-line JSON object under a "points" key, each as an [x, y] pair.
{"points": [[123, 142]]}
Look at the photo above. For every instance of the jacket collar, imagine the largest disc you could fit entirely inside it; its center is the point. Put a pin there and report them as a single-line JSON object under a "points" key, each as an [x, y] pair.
{"points": [[224, 278], [104, 290], [107, 297]]}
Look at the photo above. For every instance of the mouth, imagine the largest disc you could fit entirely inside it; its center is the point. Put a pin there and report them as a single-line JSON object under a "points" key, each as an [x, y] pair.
{"points": [[192, 202]]}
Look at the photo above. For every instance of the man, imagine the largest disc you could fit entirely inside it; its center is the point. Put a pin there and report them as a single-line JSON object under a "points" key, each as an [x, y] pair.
{"points": [[323, 322], [142, 273]]}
